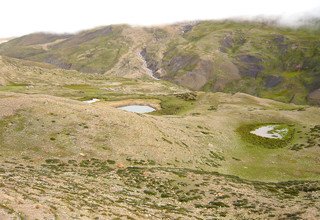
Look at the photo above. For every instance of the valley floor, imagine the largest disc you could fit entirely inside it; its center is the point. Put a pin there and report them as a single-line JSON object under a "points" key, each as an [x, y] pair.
{"points": [[193, 158]]}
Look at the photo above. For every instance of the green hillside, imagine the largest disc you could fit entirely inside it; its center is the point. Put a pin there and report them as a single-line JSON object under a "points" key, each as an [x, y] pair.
{"points": [[91, 51], [256, 58]]}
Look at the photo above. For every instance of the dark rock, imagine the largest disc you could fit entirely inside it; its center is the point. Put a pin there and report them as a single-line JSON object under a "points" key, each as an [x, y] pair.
{"points": [[272, 81], [232, 40], [313, 85], [280, 42], [143, 52], [279, 39], [186, 28], [51, 59], [152, 64], [314, 97], [226, 43], [249, 65], [249, 59]]}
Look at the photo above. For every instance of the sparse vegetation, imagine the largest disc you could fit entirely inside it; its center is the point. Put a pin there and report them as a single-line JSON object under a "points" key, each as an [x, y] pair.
{"points": [[193, 158]]}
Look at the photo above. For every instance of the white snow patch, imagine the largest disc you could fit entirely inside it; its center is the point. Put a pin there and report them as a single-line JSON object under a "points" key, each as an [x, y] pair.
{"points": [[270, 131], [91, 101]]}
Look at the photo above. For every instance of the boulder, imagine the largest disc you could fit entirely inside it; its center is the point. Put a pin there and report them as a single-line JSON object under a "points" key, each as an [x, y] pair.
{"points": [[272, 81], [314, 97]]}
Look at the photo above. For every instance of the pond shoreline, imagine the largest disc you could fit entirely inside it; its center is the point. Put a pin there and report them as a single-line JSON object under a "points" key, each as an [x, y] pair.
{"points": [[153, 103], [137, 108], [270, 131]]}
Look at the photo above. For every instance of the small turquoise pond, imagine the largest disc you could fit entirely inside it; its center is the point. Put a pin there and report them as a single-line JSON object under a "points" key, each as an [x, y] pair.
{"points": [[137, 108]]}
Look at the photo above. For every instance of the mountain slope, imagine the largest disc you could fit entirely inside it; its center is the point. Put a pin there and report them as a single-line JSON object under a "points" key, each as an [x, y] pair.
{"points": [[256, 58], [90, 51], [194, 157]]}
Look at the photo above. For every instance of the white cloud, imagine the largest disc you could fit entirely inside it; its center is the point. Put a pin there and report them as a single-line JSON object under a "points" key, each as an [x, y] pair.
{"points": [[19, 17]]}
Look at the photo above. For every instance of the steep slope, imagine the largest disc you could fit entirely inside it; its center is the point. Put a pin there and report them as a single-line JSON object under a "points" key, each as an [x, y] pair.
{"points": [[267, 61]]}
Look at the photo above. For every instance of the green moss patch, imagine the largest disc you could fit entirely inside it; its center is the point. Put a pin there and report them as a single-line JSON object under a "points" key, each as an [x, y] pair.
{"points": [[244, 132], [172, 105]]}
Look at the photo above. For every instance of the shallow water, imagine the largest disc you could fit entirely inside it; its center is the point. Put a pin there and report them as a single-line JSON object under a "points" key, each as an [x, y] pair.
{"points": [[91, 101], [137, 108], [269, 131]]}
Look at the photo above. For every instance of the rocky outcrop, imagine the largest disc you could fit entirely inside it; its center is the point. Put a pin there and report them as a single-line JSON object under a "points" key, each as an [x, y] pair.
{"points": [[272, 81], [249, 65], [314, 97], [280, 42], [232, 40], [186, 28], [51, 59], [152, 64], [226, 43]]}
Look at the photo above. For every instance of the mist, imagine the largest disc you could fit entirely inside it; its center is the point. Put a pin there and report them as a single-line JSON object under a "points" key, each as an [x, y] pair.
{"points": [[20, 17]]}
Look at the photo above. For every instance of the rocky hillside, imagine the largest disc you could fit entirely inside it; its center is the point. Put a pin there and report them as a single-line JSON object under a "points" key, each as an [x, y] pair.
{"points": [[256, 58], [195, 157]]}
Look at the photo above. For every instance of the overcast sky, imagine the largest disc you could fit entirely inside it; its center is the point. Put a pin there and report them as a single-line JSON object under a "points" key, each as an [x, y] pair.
{"points": [[19, 17]]}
